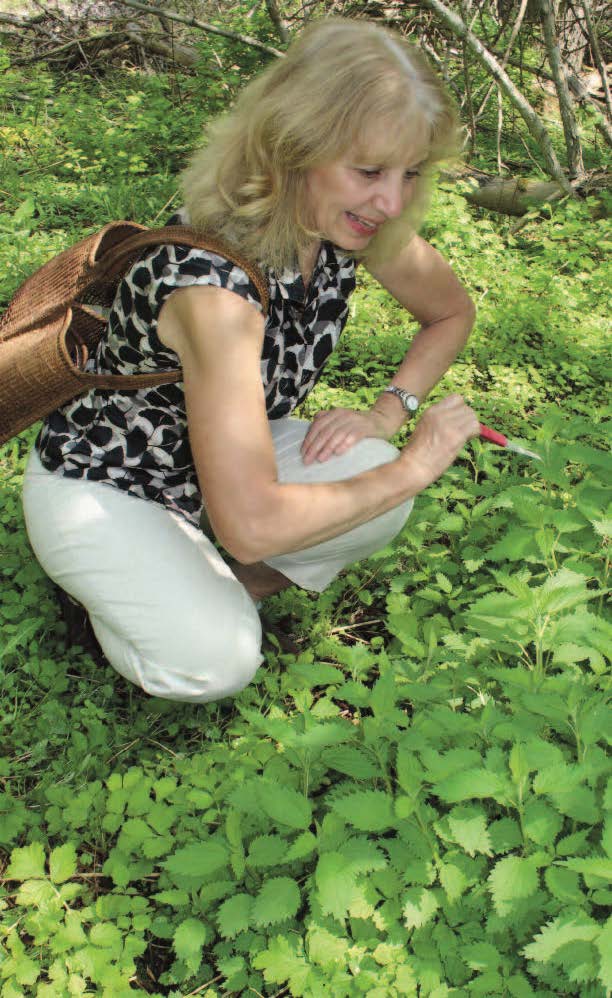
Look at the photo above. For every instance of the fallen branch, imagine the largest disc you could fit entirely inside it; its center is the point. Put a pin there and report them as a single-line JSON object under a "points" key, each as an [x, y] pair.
{"points": [[192, 22], [74, 43], [185, 55]]}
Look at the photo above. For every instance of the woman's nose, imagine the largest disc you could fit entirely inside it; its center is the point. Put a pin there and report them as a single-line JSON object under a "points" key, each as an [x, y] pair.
{"points": [[390, 198]]}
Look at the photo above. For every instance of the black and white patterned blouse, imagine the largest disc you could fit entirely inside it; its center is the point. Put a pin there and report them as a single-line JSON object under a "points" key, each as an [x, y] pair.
{"points": [[137, 440]]}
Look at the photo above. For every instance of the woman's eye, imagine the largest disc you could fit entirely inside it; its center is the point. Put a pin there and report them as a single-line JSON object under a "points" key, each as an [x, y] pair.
{"points": [[411, 174], [369, 173]]}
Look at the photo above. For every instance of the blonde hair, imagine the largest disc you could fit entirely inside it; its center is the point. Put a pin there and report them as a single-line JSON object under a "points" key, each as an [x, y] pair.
{"points": [[340, 83]]}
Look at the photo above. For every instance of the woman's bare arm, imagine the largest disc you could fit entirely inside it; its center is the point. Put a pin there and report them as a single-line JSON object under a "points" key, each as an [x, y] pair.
{"points": [[423, 282], [218, 338]]}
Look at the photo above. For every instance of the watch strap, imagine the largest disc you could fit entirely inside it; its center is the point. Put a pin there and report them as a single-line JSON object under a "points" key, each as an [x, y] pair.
{"points": [[409, 401]]}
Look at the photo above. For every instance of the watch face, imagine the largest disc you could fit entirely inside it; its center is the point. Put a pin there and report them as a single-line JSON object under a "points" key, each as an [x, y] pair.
{"points": [[412, 403]]}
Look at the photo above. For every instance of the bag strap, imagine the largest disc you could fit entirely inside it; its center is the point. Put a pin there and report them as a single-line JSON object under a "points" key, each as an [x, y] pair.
{"points": [[98, 261], [113, 259]]}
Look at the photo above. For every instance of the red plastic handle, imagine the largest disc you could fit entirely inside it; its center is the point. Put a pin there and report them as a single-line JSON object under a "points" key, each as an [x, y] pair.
{"points": [[496, 438]]}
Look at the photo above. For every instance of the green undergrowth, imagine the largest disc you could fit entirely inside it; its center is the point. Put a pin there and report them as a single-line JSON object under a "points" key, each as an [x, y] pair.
{"points": [[414, 796]]}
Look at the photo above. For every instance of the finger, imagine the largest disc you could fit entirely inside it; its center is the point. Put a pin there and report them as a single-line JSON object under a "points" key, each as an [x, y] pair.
{"points": [[314, 444], [340, 444], [314, 433], [323, 445], [321, 433]]}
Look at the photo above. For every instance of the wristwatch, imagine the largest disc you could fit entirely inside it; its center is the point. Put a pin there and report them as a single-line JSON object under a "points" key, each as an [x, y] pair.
{"points": [[410, 402]]}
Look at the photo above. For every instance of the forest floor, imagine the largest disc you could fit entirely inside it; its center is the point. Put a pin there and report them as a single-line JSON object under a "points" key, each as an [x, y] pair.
{"points": [[414, 795]]}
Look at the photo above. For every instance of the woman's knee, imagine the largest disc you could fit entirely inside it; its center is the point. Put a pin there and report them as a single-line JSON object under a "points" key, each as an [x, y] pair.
{"points": [[197, 674]]}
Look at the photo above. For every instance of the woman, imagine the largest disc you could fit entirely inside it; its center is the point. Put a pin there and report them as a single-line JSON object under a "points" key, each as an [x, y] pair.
{"points": [[323, 161]]}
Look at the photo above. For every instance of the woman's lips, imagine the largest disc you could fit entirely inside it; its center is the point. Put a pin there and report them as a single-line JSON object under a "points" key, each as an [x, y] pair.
{"points": [[360, 226]]}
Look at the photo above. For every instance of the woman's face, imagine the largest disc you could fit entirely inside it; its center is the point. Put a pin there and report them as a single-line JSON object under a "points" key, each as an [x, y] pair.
{"points": [[350, 198]]}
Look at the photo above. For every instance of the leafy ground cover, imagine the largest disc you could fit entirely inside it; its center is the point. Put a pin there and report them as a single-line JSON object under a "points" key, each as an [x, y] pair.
{"points": [[414, 796]]}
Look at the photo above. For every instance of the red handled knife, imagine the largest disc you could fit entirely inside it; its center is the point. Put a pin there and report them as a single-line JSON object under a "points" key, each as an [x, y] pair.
{"points": [[499, 438]]}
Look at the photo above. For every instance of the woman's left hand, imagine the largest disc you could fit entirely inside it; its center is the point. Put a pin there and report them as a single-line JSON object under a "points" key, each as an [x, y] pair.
{"points": [[335, 431]]}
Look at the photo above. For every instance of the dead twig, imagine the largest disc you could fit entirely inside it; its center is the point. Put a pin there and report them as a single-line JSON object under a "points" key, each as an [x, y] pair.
{"points": [[50, 54], [192, 22]]}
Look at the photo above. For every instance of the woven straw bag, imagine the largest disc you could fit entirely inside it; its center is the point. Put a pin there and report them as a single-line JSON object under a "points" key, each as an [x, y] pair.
{"points": [[54, 323]]}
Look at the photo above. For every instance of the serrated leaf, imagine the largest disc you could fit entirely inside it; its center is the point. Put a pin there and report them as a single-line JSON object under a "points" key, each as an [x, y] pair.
{"points": [[564, 590], [512, 879], [267, 850], [368, 810], [319, 736], [284, 805], [326, 949], [481, 956], [563, 884], [157, 845], [234, 915], [469, 829], [591, 866], [453, 880], [603, 943], [418, 908], [197, 860], [36, 893], [470, 784], [409, 770], [441, 765], [282, 961], [444, 582], [63, 863], [314, 674], [513, 546], [278, 900], [505, 835], [558, 933], [303, 846], [541, 823], [606, 836], [351, 761], [189, 940], [362, 856], [27, 863], [105, 935], [577, 842], [336, 889]]}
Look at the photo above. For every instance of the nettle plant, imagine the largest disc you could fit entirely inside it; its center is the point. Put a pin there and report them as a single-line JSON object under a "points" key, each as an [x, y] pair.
{"points": [[418, 803]]}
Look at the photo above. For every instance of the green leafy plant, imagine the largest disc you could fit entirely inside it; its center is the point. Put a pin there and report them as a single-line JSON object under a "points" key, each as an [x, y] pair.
{"points": [[414, 800]]}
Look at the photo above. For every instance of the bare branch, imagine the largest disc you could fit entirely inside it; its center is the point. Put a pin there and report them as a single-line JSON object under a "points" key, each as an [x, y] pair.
{"points": [[529, 116], [594, 43], [50, 54], [202, 26], [515, 30]]}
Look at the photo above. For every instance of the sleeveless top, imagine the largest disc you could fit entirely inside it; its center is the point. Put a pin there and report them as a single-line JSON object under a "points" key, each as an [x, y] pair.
{"points": [[137, 440]]}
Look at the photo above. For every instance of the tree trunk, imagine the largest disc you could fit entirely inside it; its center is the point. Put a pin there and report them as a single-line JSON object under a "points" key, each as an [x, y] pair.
{"points": [[278, 21], [570, 126]]}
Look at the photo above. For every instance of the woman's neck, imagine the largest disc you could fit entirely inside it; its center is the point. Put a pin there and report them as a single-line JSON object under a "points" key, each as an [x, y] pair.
{"points": [[306, 261]]}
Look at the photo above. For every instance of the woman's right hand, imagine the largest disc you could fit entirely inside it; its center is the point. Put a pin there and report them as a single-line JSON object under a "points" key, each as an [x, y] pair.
{"points": [[441, 432]]}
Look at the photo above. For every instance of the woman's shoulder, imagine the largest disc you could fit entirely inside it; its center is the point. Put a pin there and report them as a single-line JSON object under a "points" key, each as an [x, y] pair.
{"points": [[170, 266]]}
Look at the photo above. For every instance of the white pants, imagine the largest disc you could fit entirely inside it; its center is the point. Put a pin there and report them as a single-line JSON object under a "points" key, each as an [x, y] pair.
{"points": [[168, 612]]}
